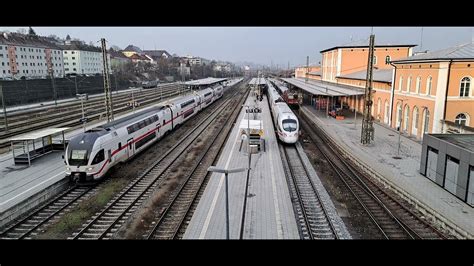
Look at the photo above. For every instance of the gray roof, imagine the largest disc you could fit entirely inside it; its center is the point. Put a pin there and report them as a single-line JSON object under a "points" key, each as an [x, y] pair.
{"points": [[81, 46], [320, 88], [465, 141], [382, 75], [133, 48], [258, 81], [27, 40], [157, 53], [463, 51], [204, 82], [365, 43]]}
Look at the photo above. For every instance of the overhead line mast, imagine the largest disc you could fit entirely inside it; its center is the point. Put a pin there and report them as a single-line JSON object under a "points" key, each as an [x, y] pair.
{"points": [[367, 134], [108, 95]]}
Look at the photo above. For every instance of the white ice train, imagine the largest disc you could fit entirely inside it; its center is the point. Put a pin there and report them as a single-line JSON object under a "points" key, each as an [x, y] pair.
{"points": [[285, 120], [90, 155]]}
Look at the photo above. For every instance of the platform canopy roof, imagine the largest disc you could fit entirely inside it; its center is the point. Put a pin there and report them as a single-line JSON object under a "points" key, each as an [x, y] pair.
{"points": [[204, 82], [258, 81], [381, 75], [39, 134], [325, 89]]}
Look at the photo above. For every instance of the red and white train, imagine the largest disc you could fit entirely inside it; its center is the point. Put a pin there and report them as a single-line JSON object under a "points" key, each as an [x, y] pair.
{"points": [[289, 96], [91, 154], [285, 121]]}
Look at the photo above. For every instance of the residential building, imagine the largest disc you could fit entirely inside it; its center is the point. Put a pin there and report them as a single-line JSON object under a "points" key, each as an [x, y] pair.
{"points": [[80, 58], [192, 60], [131, 50], [117, 59], [140, 58], [29, 56]]}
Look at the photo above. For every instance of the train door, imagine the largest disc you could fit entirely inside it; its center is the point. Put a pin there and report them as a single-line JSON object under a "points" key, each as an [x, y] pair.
{"points": [[130, 147]]}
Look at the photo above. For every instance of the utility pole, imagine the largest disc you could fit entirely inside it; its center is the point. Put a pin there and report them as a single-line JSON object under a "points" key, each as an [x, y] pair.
{"points": [[4, 107], [108, 96], [307, 69], [367, 134]]}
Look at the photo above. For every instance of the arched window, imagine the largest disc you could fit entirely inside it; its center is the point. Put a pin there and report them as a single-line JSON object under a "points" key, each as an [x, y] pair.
{"points": [[426, 121], [428, 85], [399, 116], [379, 106], [400, 84], [387, 60], [462, 119], [387, 111], [414, 123], [408, 84], [465, 86], [418, 84], [375, 60], [407, 118]]}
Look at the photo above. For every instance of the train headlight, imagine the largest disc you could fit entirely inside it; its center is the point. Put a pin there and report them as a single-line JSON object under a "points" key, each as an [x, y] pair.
{"points": [[68, 169], [90, 168]]}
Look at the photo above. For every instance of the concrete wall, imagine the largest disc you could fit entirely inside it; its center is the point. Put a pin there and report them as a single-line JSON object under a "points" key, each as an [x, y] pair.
{"points": [[445, 149], [24, 208]]}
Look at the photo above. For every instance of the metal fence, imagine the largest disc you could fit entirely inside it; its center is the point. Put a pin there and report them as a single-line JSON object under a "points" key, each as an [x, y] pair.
{"points": [[19, 92]]}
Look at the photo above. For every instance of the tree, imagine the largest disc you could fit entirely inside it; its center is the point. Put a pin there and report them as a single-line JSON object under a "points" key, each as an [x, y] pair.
{"points": [[31, 31], [22, 31]]}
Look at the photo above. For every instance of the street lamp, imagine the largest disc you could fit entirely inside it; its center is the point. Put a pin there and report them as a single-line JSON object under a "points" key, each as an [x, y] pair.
{"points": [[400, 126], [83, 120], [226, 172]]}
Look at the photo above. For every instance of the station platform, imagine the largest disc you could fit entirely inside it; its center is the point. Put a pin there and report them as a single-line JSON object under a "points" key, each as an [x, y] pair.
{"points": [[20, 182], [402, 174], [268, 213]]}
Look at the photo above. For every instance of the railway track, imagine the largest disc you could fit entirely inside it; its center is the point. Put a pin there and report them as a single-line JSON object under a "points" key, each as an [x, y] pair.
{"points": [[393, 219], [70, 118], [29, 226], [177, 211], [313, 218], [114, 215]]}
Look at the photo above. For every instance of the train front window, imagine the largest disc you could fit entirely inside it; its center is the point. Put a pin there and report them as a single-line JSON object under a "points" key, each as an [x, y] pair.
{"points": [[289, 125], [78, 157]]}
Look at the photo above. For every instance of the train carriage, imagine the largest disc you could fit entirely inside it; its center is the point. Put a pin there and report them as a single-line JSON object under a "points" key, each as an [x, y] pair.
{"points": [[285, 121]]}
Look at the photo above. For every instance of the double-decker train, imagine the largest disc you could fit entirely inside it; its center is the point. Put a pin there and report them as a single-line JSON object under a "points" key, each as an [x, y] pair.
{"points": [[90, 155], [285, 120]]}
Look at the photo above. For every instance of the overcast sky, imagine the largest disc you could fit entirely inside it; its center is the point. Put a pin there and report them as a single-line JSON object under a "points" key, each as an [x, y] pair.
{"points": [[260, 45]]}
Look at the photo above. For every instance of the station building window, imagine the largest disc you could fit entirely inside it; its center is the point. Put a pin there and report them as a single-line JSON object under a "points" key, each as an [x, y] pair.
{"points": [[418, 84], [465, 87], [428, 85], [408, 84], [462, 120]]}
